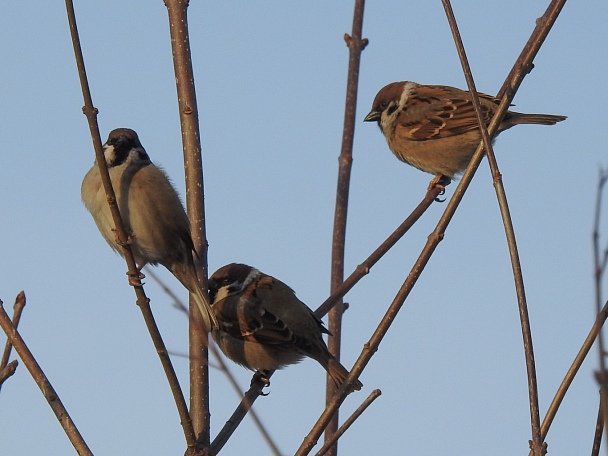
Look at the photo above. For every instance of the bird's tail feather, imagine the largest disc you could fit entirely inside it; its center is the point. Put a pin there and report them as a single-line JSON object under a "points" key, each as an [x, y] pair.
{"points": [[209, 319], [338, 374], [541, 119], [186, 274]]}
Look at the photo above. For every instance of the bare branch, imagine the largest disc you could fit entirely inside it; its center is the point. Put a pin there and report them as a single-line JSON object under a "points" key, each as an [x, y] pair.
{"points": [[8, 371], [5, 370], [355, 44], [351, 419], [188, 114], [142, 301], [43, 383], [599, 431]]}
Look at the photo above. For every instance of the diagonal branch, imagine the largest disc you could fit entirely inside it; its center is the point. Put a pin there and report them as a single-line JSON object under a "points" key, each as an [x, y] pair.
{"points": [[142, 301], [43, 383], [351, 419]]}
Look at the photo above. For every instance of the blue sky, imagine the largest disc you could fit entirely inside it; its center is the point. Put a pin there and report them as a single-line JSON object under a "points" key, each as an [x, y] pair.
{"points": [[271, 81]]}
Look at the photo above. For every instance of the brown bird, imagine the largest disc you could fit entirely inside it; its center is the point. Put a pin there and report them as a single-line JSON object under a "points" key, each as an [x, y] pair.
{"points": [[434, 128], [263, 326], [151, 211]]}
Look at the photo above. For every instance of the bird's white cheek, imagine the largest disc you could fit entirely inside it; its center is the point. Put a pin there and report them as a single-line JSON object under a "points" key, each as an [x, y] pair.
{"points": [[387, 123], [221, 294]]}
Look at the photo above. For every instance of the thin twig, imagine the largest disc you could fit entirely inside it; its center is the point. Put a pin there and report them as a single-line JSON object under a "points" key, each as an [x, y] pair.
{"points": [[7, 371], [599, 431], [355, 44], [220, 366], [598, 263], [43, 383], [188, 113], [17, 310], [351, 419], [142, 301]]}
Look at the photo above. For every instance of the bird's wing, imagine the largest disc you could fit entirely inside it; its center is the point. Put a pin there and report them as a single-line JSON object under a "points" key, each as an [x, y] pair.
{"points": [[266, 313], [435, 112]]}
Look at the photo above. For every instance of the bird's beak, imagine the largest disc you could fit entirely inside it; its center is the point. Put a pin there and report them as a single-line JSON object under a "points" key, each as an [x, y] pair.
{"points": [[372, 116]]}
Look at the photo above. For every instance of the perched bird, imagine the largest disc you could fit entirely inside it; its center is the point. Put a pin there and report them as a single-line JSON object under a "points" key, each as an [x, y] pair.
{"points": [[263, 326], [151, 211], [434, 128]]}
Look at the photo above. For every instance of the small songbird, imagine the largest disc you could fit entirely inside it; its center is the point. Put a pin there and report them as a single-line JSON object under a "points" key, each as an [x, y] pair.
{"points": [[151, 211], [434, 128], [263, 326]]}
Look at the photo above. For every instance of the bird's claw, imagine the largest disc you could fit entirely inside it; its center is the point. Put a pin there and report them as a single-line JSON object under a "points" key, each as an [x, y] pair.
{"points": [[262, 377], [439, 182]]}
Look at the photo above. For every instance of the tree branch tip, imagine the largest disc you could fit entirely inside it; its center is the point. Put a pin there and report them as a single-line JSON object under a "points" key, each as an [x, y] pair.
{"points": [[20, 300], [8, 371]]}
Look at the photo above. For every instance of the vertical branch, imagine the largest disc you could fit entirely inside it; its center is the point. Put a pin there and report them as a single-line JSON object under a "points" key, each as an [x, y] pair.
{"points": [[599, 431], [188, 114], [43, 383], [599, 260], [355, 45]]}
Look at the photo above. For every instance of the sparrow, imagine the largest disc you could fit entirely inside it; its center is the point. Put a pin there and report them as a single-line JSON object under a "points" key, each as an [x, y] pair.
{"points": [[151, 210], [263, 326], [434, 128]]}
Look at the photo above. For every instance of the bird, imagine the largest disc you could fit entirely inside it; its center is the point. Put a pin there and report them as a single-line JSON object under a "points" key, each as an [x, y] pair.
{"points": [[263, 326], [435, 129], [151, 210]]}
